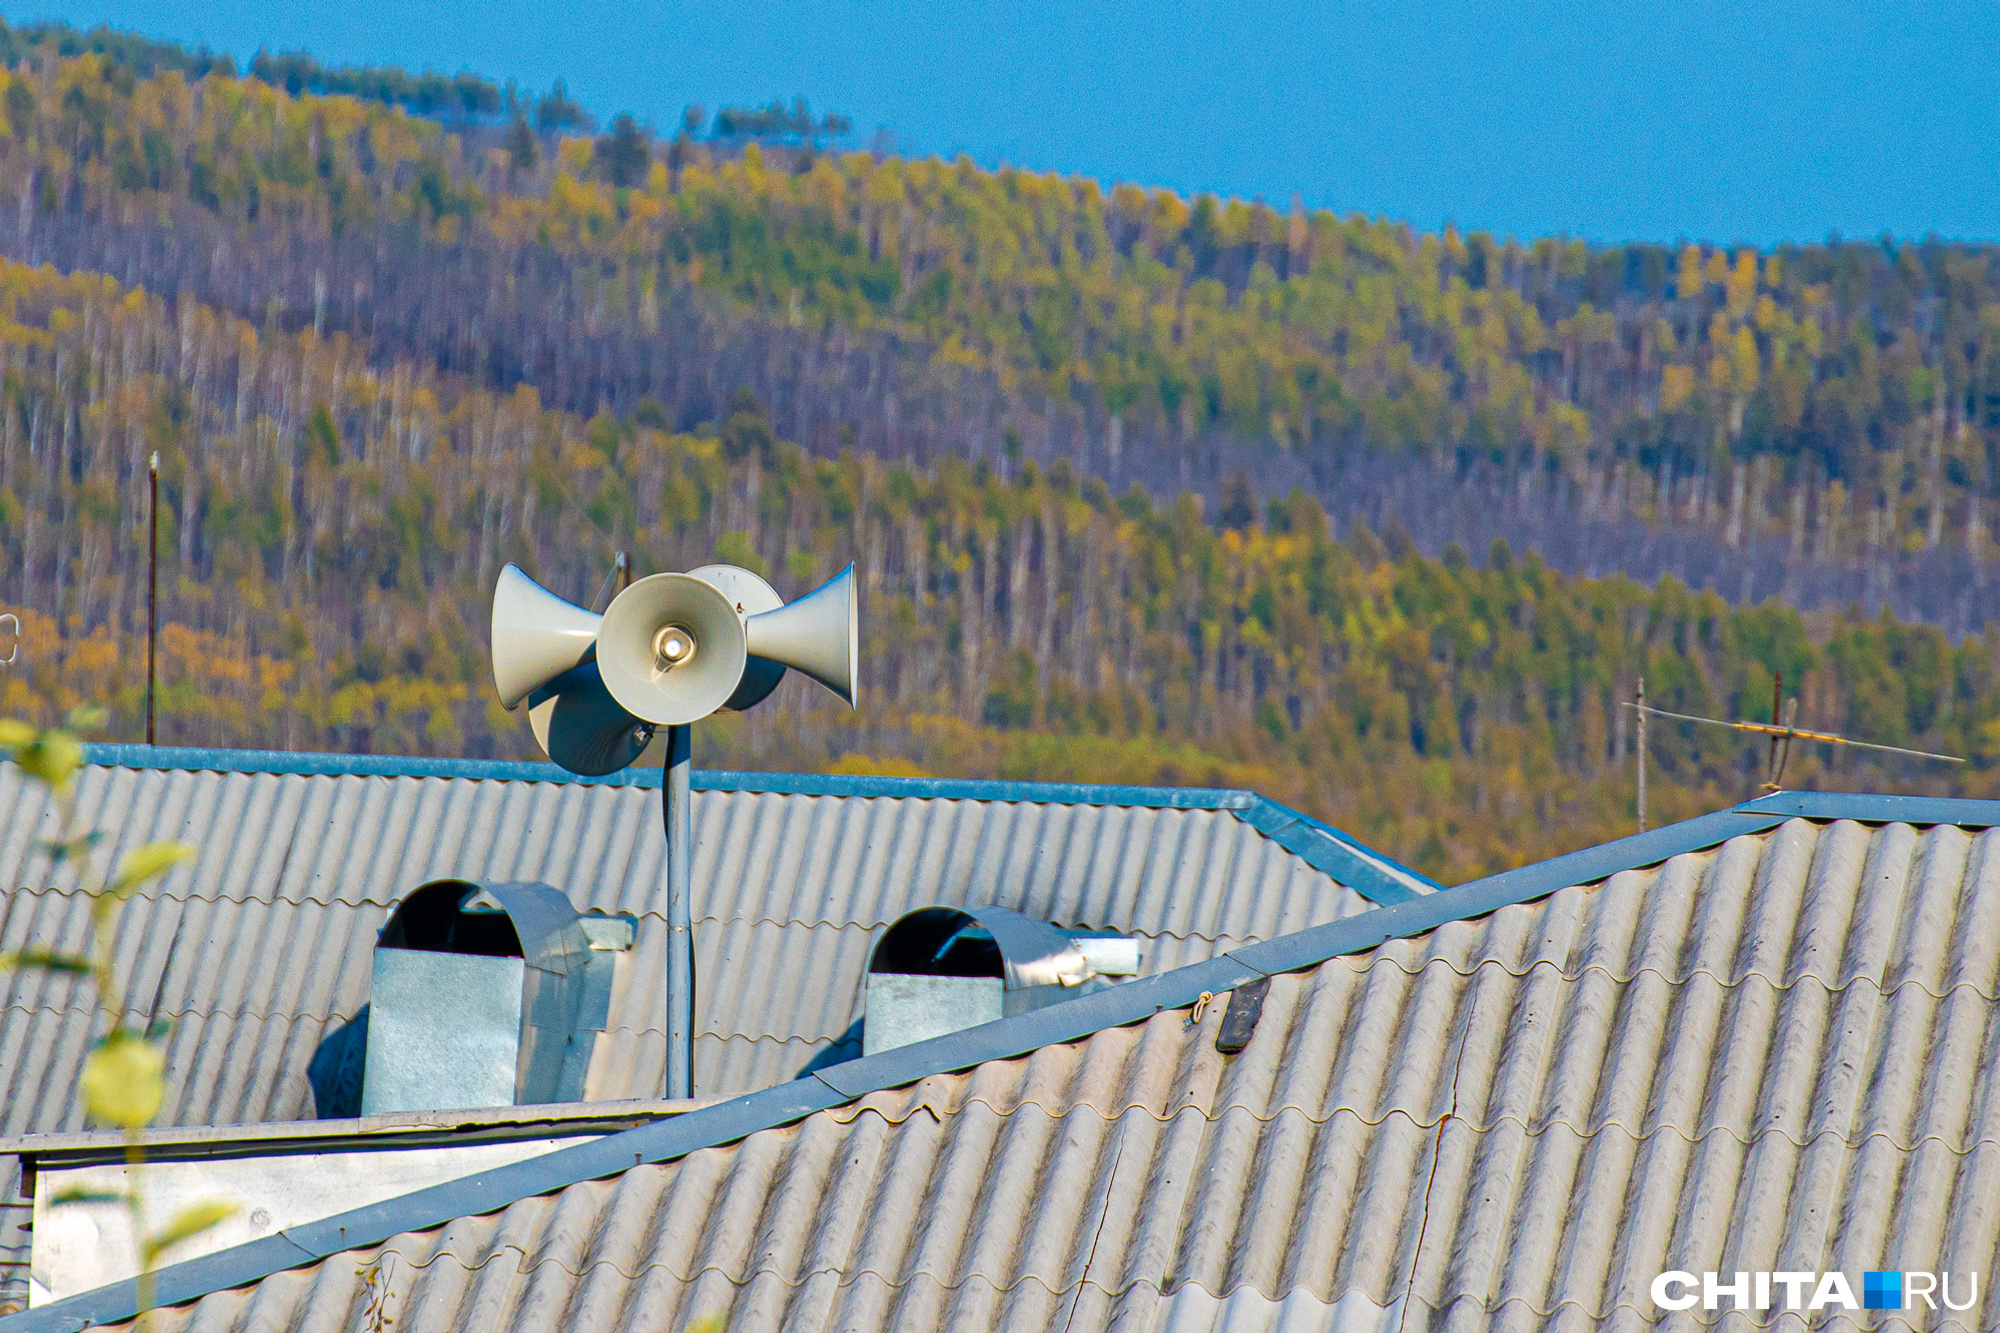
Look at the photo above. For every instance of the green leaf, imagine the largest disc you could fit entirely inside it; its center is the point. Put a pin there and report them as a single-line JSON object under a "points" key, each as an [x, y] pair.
{"points": [[124, 1081], [146, 863], [15, 733], [83, 1195], [49, 960], [52, 757], [59, 852], [188, 1222]]}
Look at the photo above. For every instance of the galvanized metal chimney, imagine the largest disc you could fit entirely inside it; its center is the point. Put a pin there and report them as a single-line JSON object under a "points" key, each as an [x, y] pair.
{"points": [[941, 969], [486, 995]]}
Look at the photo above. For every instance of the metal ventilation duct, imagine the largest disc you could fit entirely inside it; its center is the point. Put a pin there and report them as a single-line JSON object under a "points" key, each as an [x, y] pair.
{"points": [[940, 969], [486, 995]]}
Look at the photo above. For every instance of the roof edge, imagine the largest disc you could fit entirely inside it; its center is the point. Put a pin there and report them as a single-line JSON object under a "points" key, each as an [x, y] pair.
{"points": [[160, 1142], [837, 1085], [1376, 877], [1876, 809], [317, 764]]}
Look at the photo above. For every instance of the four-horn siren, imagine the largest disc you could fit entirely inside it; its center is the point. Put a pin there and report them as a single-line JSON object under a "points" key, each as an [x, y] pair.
{"points": [[536, 636], [670, 650], [816, 635], [751, 596]]}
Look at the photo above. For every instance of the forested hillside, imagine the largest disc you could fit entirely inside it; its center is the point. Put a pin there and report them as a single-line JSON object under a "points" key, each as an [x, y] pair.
{"points": [[1816, 420], [330, 534], [380, 357]]}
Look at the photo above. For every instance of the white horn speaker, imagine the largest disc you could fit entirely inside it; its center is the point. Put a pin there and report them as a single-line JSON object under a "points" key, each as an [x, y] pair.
{"points": [[671, 649], [536, 635], [581, 727], [751, 596], [816, 635]]}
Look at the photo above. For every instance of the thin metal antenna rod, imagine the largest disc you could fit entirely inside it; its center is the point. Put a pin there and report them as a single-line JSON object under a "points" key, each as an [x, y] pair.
{"points": [[1641, 753], [1785, 754], [1826, 737], [152, 588], [1777, 720], [676, 808]]}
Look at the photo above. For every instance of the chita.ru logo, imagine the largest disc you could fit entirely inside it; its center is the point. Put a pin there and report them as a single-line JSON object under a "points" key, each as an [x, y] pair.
{"points": [[1815, 1291]]}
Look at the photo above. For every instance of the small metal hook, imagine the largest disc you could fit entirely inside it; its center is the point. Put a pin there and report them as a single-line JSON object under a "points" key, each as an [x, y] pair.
{"points": [[8, 660]]}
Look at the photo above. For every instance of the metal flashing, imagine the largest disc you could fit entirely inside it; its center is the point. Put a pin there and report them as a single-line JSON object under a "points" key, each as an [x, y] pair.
{"points": [[317, 765], [976, 789], [1368, 872], [1316, 944], [311, 764], [501, 1124], [1870, 809], [836, 1085]]}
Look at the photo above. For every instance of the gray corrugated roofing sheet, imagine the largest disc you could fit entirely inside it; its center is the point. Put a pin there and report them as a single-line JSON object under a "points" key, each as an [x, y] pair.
{"points": [[1779, 1053], [262, 946]]}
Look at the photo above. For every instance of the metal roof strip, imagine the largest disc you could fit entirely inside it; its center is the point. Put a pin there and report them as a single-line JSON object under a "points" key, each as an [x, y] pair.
{"points": [[1964, 812], [1368, 872], [1316, 944], [316, 765], [975, 789], [313, 764], [840, 1084]]}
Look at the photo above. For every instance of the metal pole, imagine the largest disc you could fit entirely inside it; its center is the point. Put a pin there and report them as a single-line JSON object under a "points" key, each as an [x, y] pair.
{"points": [[152, 588], [676, 807], [1785, 755], [1641, 752], [1777, 702], [624, 571]]}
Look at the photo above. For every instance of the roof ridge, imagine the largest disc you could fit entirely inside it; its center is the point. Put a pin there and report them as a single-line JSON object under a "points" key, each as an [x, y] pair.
{"points": [[836, 1085], [1378, 878], [1878, 808], [1373, 875], [319, 764]]}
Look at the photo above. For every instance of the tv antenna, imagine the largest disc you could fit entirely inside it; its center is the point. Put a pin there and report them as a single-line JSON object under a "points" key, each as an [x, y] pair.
{"points": [[1782, 735], [669, 650]]}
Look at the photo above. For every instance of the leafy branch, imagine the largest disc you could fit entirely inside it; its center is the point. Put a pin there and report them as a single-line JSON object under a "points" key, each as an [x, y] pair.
{"points": [[124, 1078]]}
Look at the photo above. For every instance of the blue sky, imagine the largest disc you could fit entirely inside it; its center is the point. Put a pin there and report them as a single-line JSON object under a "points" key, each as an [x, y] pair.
{"points": [[1749, 122]]}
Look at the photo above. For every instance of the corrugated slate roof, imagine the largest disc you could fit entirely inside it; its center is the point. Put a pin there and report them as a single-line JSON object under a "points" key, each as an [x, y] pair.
{"points": [[1508, 1105], [791, 889], [262, 946]]}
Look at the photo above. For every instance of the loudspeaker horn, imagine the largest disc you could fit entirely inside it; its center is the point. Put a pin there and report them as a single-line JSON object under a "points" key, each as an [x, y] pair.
{"points": [[672, 649], [751, 596], [536, 635], [816, 635], [581, 727]]}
